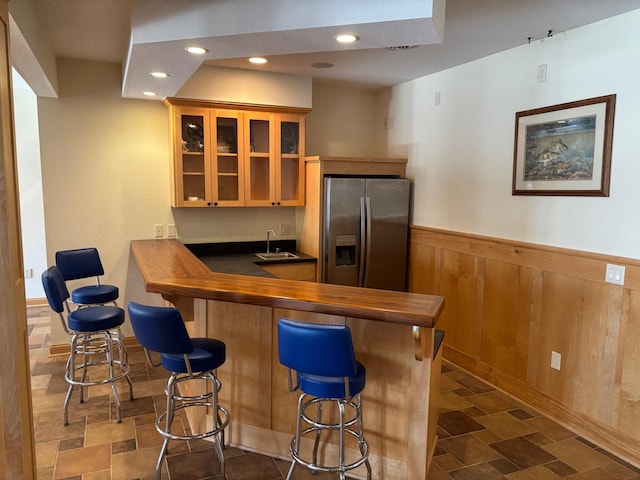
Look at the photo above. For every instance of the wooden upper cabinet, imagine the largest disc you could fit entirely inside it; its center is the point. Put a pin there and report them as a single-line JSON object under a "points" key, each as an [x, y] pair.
{"points": [[228, 159], [191, 157], [290, 141], [260, 172], [243, 156]]}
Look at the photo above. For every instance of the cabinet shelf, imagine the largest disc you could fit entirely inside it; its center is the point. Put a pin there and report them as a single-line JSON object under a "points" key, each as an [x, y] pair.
{"points": [[193, 174]]}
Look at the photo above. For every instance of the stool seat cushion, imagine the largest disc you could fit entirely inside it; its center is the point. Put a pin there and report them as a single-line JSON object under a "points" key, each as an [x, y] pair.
{"points": [[94, 319], [332, 387], [91, 294], [208, 354]]}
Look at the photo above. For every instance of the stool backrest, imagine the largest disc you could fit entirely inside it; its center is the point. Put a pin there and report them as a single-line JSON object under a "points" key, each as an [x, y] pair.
{"points": [[159, 329], [55, 288], [316, 349], [79, 263]]}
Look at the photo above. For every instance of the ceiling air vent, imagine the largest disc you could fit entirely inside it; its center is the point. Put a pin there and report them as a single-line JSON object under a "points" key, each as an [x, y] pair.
{"points": [[401, 47]]}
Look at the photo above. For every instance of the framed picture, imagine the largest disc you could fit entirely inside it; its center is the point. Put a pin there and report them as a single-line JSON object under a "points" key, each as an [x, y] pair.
{"points": [[564, 149]]}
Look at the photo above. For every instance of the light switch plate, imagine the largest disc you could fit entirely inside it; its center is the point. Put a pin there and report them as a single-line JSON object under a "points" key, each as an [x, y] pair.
{"points": [[614, 274]]}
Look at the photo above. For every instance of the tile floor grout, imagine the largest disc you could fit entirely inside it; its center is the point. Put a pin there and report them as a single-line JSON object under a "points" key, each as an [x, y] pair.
{"points": [[483, 433]]}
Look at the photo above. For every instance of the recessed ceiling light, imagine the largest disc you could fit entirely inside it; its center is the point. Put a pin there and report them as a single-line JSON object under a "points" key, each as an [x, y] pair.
{"points": [[149, 94], [346, 38], [258, 60], [196, 50], [159, 74]]}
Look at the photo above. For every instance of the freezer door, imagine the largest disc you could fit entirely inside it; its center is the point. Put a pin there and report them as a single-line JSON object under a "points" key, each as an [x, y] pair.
{"points": [[387, 233], [341, 243]]}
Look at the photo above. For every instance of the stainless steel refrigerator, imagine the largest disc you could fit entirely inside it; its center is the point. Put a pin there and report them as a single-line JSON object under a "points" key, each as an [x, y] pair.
{"points": [[365, 230]]}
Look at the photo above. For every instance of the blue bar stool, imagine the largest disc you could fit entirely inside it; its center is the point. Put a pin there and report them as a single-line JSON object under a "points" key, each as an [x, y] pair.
{"points": [[85, 263], [326, 371], [162, 330], [95, 338]]}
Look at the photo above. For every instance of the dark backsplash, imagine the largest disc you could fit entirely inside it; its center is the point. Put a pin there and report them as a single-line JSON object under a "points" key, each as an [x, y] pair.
{"points": [[230, 248]]}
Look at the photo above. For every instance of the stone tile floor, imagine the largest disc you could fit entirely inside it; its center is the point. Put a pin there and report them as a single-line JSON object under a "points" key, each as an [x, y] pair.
{"points": [[484, 434]]}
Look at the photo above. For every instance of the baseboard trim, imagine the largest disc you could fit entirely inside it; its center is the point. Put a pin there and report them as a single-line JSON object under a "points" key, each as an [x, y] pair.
{"points": [[37, 302]]}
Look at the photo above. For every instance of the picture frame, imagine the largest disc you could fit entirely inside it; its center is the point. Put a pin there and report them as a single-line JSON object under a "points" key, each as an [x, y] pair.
{"points": [[564, 149]]}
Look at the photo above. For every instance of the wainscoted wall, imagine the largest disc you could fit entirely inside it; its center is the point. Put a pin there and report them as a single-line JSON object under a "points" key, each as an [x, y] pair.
{"points": [[509, 304]]}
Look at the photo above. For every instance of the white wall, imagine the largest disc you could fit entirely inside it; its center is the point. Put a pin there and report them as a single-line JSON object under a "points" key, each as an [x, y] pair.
{"points": [[461, 152], [30, 185], [342, 122], [105, 168], [247, 86], [105, 174]]}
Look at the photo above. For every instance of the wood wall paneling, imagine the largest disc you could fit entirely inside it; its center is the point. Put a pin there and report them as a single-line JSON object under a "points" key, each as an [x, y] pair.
{"points": [[625, 416], [510, 304], [460, 279], [508, 290]]}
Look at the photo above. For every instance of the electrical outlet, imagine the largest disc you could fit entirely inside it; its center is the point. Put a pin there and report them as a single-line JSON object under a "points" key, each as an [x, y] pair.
{"points": [[171, 230], [556, 360], [614, 274], [158, 230]]}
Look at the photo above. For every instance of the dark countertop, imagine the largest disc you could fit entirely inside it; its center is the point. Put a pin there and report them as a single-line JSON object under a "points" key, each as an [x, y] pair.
{"points": [[239, 258]]}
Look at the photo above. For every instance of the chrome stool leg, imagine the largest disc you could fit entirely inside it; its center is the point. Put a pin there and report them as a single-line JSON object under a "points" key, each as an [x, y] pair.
{"points": [[168, 416], [96, 349]]}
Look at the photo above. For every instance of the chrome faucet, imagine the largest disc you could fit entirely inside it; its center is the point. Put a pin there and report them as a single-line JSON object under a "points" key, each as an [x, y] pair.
{"points": [[274, 236]]}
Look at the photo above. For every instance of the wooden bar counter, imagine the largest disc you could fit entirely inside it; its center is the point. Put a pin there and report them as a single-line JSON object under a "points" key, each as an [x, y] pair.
{"points": [[393, 334]]}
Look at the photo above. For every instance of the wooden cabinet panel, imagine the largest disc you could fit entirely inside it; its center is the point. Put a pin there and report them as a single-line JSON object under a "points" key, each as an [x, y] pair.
{"points": [[289, 170], [227, 175], [293, 271], [237, 156], [246, 374], [191, 157]]}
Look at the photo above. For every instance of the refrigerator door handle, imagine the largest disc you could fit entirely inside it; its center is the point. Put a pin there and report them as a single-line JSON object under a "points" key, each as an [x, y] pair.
{"points": [[363, 236]]}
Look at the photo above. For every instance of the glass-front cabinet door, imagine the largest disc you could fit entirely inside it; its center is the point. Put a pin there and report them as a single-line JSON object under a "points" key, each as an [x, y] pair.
{"points": [[191, 157], [290, 165], [228, 160], [227, 155], [260, 171]]}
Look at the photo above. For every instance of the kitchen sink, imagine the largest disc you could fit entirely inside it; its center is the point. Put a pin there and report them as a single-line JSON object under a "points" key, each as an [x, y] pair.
{"points": [[276, 255]]}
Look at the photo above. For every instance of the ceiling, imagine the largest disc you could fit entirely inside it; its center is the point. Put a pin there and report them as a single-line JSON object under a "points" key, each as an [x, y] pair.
{"points": [[151, 34]]}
